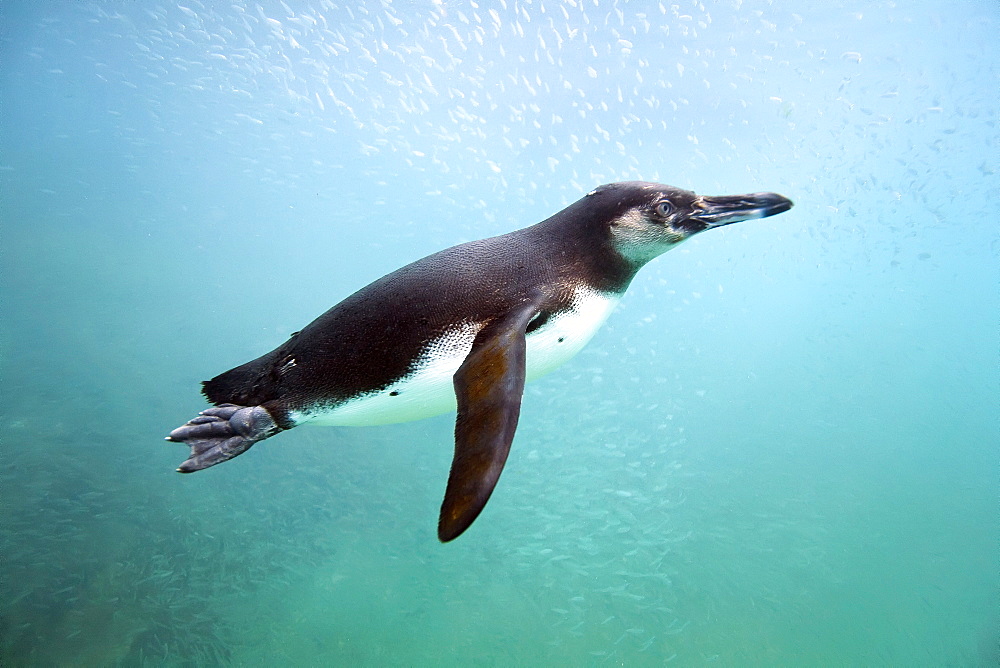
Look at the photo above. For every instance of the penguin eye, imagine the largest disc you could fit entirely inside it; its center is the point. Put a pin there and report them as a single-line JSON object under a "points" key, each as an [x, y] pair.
{"points": [[664, 208]]}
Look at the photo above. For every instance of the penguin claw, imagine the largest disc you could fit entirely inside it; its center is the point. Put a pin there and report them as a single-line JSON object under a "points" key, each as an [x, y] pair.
{"points": [[221, 433]]}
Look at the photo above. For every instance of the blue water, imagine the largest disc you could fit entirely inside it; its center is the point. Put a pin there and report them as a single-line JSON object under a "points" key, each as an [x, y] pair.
{"points": [[782, 449]]}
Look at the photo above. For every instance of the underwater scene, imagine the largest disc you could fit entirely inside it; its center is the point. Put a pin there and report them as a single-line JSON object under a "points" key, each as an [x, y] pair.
{"points": [[781, 449]]}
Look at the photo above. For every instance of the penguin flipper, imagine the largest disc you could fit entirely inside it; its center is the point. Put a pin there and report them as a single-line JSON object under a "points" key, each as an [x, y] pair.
{"points": [[221, 433], [488, 387]]}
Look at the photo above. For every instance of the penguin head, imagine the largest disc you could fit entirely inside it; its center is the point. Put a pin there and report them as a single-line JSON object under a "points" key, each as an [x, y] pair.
{"points": [[648, 219]]}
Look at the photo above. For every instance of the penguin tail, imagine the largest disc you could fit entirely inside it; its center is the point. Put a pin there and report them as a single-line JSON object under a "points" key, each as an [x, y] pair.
{"points": [[245, 385]]}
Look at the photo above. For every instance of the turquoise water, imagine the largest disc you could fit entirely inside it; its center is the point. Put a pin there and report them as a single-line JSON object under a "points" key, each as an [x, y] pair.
{"points": [[782, 449]]}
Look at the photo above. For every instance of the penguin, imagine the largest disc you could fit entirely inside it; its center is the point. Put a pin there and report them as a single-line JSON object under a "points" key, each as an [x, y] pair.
{"points": [[461, 329]]}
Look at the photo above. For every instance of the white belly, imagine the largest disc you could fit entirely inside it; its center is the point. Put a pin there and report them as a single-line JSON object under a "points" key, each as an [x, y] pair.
{"points": [[430, 392]]}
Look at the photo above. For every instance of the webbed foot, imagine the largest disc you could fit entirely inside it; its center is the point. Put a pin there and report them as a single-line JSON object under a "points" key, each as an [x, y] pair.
{"points": [[221, 433]]}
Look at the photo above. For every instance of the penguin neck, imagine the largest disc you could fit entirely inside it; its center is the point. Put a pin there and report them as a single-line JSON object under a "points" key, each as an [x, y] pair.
{"points": [[584, 247], [639, 255]]}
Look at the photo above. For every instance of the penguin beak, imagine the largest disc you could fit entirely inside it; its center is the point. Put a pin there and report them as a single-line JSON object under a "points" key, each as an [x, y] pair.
{"points": [[726, 209]]}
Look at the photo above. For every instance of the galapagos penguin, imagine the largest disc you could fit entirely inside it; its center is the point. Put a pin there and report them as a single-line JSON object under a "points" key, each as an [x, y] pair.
{"points": [[463, 328]]}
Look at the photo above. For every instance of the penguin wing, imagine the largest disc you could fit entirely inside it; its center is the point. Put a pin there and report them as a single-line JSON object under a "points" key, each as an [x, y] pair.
{"points": [[488, 387]]}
